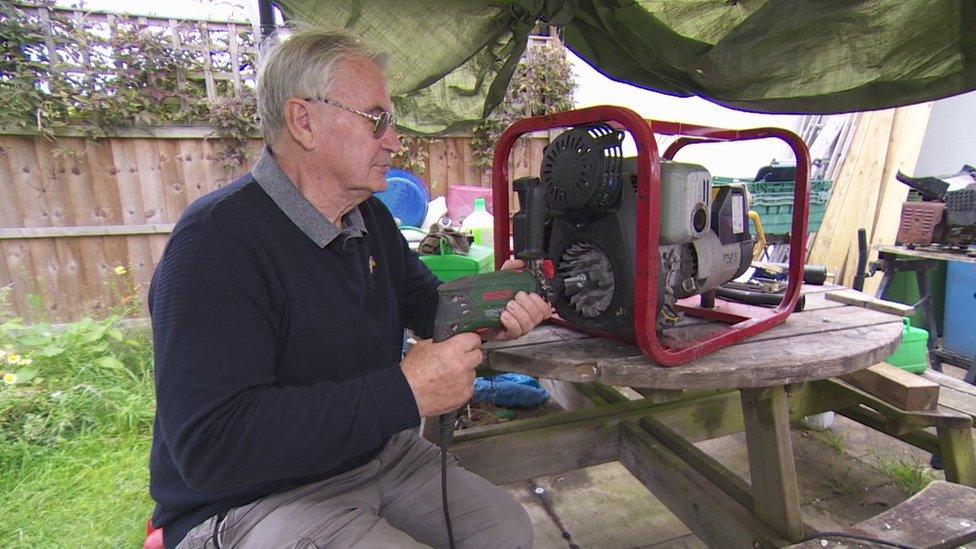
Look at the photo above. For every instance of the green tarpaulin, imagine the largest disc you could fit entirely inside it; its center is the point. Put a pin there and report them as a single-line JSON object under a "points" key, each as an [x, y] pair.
{"points": [[452, 59]]}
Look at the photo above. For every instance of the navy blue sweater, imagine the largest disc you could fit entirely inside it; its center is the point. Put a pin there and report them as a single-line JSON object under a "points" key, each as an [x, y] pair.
{"points": [[277, 362]]}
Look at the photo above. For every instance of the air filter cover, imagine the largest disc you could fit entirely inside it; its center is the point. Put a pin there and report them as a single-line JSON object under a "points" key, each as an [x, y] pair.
{"points": [[581, 170]]}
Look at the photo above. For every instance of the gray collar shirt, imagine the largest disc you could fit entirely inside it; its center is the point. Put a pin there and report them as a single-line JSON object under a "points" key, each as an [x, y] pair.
{"points": [[301, 212]]}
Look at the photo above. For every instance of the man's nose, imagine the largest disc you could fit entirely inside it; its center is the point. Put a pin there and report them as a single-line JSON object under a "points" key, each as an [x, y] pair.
{"points": [[390, 140]]}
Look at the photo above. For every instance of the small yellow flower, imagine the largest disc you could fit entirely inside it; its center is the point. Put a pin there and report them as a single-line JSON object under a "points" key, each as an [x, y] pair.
{"points": [[10, 379], [26, 361], [13, 358], [120, 270]]}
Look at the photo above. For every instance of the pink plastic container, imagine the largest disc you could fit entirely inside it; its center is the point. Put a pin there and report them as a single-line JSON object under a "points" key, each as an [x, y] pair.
{"points": [[460, 201]]}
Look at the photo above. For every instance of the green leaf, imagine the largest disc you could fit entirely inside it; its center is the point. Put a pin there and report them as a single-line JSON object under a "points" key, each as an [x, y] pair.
{"points": [[94, 335], [25, 375], [32, 340], [110, 363], [51, 351], [116, 334]]}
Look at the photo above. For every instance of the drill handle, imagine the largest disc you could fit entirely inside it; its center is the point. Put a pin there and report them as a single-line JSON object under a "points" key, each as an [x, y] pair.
{"points": [[529, 224], [474, 302]]}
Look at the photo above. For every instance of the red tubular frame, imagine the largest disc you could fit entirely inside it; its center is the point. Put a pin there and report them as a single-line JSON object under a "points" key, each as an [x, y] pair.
{"points": [[648, 210]]}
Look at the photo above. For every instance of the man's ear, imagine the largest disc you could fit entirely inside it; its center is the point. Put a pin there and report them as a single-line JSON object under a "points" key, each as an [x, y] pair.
{"points": [[298, 119]]}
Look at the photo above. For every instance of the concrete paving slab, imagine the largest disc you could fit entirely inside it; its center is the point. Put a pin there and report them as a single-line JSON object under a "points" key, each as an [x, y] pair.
{"points": [[546, 533], [605, 506], [836, 489]]}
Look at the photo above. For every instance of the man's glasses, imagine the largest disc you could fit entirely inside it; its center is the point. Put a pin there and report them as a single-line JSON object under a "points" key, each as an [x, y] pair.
{"points": [[381, 121]]}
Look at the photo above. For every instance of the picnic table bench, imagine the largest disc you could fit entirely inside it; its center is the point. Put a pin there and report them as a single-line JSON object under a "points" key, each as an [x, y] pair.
{"points": [[759, 385]]}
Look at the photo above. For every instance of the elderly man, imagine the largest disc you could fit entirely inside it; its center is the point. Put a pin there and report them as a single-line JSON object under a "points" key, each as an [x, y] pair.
{"points": [[286, 416]]}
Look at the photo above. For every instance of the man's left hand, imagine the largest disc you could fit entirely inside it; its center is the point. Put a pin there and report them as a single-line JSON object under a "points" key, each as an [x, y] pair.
{"points": [[521, 314]]}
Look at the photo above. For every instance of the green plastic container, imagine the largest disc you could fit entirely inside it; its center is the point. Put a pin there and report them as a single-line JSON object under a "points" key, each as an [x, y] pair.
{"points": [[773, 201], [913, 353], [450, 266]]}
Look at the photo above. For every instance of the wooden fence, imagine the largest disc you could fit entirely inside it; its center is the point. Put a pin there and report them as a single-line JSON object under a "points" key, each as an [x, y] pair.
{"points": [[214, 51], [76, 213]]}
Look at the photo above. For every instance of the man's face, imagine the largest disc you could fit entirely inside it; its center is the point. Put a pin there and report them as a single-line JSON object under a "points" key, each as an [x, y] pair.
{"points": [[353, 157]]}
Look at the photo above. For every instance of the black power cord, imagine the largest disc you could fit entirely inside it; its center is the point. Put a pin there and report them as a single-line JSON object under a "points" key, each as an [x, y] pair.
{"points": [[447, 434], [859, 537]]}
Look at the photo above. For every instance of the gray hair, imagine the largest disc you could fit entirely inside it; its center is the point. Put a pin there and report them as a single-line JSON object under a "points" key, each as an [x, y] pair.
{"points": [[300, 66]]}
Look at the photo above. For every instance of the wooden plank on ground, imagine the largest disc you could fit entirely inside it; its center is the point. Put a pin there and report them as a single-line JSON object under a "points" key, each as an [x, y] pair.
{"points": [[861, 299], [896, 386]]}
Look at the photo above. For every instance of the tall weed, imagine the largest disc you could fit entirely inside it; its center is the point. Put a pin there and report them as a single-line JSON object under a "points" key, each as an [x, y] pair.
{"points": [[60, 383]]}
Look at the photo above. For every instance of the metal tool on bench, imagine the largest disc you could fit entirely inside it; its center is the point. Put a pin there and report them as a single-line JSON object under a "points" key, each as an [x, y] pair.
{"points": [[632, 239]]}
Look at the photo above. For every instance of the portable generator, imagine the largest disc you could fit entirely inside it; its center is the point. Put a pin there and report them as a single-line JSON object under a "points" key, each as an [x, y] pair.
{"points": [[633, 240]]}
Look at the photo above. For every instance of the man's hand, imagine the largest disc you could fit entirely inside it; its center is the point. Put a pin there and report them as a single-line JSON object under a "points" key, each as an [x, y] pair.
{"points": [[521, 314], [441, 375]]}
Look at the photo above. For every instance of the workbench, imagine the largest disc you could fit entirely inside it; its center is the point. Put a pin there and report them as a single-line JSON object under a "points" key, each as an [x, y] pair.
{"points": [[894, 259], [759, 385]]}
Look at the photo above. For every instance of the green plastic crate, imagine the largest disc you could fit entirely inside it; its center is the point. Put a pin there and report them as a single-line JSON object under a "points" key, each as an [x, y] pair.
{"points": [[773, 201]]}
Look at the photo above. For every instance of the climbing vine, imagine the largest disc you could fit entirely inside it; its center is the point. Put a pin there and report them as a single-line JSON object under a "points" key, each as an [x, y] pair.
{"points": [[542, 84], [99, 74]]}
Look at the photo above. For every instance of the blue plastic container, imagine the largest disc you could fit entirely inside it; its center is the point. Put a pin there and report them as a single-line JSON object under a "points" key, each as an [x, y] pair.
{"points": [[406, 196], [959, 332]]}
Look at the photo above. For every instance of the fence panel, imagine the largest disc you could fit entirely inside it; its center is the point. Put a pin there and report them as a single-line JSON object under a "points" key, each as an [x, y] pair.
{"points": [[73, 211]]}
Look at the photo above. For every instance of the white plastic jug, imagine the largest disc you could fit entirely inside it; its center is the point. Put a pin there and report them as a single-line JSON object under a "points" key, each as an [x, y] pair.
{"points": [[480, 224]]}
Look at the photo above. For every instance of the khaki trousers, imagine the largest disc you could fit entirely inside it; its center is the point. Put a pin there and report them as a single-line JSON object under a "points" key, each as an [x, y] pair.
{"points": [[392, 501]]}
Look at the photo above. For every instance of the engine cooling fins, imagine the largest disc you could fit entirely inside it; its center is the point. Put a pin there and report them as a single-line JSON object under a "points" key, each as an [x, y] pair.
{"points": [[582, 171], [586, 273]]}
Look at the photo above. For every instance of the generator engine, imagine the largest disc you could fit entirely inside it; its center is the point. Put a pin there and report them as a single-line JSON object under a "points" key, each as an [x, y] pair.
{"points": [[581, 213]]}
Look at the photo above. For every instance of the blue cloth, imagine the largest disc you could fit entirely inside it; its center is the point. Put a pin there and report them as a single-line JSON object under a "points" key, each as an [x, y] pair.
{"points": [[510, 391]]}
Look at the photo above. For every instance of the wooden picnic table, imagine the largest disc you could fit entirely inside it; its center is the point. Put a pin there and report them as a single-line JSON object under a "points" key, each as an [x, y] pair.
{"points": [[759, 385]]}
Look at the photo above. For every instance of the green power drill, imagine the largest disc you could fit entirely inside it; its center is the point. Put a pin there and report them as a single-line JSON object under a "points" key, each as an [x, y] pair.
{"points": [[474, 302], [469, 304]]}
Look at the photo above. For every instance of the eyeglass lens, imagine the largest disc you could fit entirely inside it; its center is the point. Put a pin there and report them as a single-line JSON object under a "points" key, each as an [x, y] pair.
{"points": [[384, 121]]}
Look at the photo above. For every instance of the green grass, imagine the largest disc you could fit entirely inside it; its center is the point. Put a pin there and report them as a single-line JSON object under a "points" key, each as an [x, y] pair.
{"points": [[910, 474], [834, 440], [90, 492], [75, 430]]}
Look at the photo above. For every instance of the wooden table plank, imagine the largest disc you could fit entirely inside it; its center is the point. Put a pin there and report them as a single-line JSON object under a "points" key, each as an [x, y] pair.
{"points": [[925, 254], [794, 351]]}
